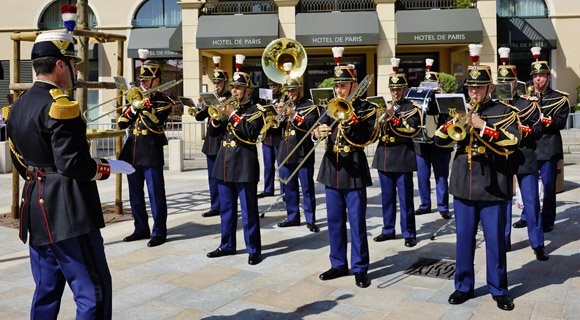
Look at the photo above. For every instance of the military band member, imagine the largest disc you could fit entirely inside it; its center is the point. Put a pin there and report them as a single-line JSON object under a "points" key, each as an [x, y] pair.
{"points": [[395, 160], [523, 160], [60, 211], [300, 116], [480, 184], [270, 144], [555, 110], [344, 171], [430, 155], [237, 170], [214, 136], [144, 150]]}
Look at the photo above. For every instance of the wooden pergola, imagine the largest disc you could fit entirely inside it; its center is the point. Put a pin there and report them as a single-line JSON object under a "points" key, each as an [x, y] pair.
{"points": [[84, 36]]}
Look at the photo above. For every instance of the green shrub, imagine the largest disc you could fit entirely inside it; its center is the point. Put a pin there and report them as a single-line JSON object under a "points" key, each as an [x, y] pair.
{"points": [[327, 83], [447, 82]]}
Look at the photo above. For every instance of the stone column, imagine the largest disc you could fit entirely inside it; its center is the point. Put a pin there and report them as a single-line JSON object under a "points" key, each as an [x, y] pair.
{"points": [[287, 18], [387, 43], [488, 12]]}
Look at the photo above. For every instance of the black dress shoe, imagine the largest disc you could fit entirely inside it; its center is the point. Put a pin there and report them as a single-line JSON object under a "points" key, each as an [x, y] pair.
{"points": [[362, 279], [287, 223], [504, 302], [384, 237], [410, 242], [284, 198], [254, 258], [156, 241], [445, 214], [332, 274], [220, 253], [541, 254], [520, 224], [210, 213], [265, 194], [312, 227], [548, 229], [135, 237], [420, 211], [459, 297]]}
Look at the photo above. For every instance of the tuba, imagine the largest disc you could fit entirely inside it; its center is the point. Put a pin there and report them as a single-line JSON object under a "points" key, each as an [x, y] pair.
{"points": [[281, 51]]}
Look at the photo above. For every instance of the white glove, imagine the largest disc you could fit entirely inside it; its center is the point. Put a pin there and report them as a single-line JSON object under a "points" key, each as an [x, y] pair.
{"points": [[120, 166]]}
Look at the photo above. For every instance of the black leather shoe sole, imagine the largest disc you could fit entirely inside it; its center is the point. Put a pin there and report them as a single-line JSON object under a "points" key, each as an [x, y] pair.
{"points": [[459, 297], [520, 224], [219, 253], [419, 212], [541, 254], [135, 237], [312, 227], [332, 274], [265, 194], [504, 302], [156, 241], [445, 214], [410, 242], [210, 213], [362, 279], [254, 258], [384, 237], [286, 223]]}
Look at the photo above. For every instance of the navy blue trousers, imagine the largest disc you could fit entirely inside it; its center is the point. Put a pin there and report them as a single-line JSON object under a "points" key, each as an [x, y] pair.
{"points": [[229, 194], [531, 213], [156, 189], [390, 182], [340, 204], [269, 155], [306, 177], [468, 213], [81, 262], [440, 164], [213, 184], [548, 172]]}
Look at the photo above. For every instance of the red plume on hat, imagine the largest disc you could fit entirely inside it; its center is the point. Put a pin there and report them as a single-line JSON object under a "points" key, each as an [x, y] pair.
{"points": [[337, 53], [69, 16], [239, 61], [216, 61], [395, 63], [475, 52], [143, 53]]}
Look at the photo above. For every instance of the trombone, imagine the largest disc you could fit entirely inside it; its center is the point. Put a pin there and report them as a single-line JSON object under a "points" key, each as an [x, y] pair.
{"points": [[458, 132], [339, 109], [135, 96]]}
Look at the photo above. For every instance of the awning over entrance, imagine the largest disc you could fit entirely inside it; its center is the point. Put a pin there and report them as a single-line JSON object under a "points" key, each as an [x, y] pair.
{"points": [[337, 29], [438, 26], [237, 31], [522, 33], [161, 42]]}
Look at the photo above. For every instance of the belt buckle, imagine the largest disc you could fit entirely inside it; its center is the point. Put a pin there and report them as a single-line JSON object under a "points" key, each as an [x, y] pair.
{"points": [[232, 143], [384, 139], [346, 148], [292, 132], [135, 131], [224, 143], [481, 150], [335, 148], [392, 139], [467, 149], [144, 131]]}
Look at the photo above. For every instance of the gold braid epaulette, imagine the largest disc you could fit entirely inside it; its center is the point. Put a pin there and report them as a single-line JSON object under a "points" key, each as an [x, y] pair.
{"points": [[253, 117], [5, 112], [556, 105], [409, 114], [363, 118], [63, 108], [154, 118]]}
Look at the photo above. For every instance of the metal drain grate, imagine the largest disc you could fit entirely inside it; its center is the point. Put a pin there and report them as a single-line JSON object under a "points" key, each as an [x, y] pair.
{"points": [[432, 268]]}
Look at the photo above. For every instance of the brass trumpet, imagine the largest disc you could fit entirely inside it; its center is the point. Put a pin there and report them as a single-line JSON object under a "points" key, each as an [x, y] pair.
{"points": [[214, 111], [458, 132], [193, 111], [339, 109], [135, 97]]}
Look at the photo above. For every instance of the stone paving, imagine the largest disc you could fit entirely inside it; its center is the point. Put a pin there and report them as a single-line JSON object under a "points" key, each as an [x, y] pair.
{"points": [[177, 281]]}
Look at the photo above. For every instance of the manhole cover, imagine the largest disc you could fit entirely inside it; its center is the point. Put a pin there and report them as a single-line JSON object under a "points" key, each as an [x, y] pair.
{"points": [[432, 268]]}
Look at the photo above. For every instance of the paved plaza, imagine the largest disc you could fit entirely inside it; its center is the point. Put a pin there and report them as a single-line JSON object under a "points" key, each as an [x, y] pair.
{"points": [[177, 280]]}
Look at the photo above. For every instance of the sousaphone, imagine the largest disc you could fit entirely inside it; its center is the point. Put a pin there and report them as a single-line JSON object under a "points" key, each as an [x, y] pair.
{"points": [[279, 52]]}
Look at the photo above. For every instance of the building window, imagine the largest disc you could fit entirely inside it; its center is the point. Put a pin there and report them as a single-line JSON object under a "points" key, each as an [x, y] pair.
{"points": [[158, 13], [522, 8], [52, 19]]}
